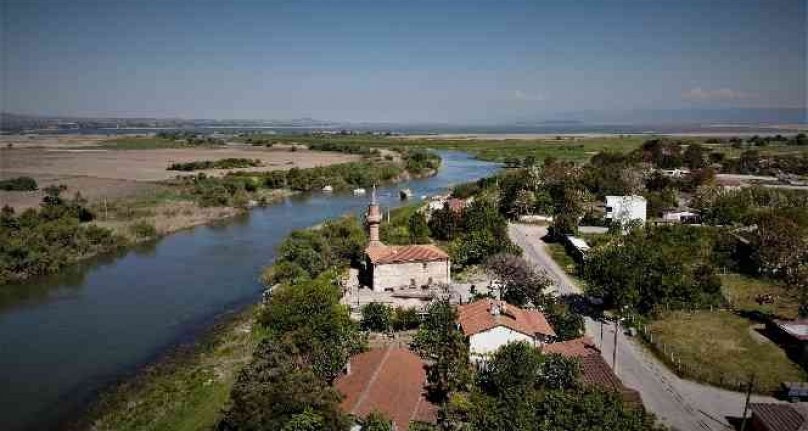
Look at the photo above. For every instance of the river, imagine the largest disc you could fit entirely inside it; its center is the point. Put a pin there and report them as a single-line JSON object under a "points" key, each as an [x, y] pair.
{"points": [[72, 334]]}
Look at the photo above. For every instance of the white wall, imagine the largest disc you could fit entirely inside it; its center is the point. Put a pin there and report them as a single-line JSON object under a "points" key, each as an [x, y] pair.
{"points": [[625, 208], [487, 342], [397, 275]]}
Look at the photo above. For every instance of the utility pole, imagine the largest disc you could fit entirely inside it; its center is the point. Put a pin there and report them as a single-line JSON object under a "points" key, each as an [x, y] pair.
{"points": [[601, 334], [746, 405], [614, 353]]}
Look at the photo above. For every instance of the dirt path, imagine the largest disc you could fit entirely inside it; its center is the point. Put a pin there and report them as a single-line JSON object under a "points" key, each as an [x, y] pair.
{"points": [[678, 403]]}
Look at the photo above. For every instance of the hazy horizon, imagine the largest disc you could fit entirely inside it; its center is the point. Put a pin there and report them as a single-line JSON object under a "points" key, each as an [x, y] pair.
{"points": [[406, 63]]}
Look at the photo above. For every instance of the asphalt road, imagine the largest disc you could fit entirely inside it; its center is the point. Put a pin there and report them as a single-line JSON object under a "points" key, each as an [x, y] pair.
{"points": [[680, 404]]}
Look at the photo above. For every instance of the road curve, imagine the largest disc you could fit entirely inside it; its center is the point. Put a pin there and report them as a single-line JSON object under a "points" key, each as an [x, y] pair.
{"points": [[680, 404]]}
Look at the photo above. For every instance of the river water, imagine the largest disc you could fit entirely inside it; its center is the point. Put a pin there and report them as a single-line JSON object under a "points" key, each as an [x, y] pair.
{"points": [[71, 334]]}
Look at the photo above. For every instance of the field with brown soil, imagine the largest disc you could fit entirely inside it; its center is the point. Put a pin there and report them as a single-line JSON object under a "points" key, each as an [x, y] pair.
{"points": [[121, 174]]}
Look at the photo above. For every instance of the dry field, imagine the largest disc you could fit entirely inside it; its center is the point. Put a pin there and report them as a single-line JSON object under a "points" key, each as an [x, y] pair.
{"points": [[115, 174]]}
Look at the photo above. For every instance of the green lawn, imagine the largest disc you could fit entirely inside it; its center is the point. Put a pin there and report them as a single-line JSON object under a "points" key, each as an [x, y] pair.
{"points": [[720, 348], [182, 393], [741, 292], [559, 254]]}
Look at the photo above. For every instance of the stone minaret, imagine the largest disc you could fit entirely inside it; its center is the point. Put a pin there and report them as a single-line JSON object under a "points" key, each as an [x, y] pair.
{"points": [[373, 218]]}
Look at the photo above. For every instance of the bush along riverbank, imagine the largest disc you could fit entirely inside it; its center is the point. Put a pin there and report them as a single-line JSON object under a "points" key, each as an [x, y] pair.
{"points": [[44, 240], [64, 231]]}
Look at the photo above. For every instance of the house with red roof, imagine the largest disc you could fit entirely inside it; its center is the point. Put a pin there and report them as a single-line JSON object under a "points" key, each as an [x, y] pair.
{"points": [[595, 372], [401, 267], [490, 324], [391, 381]]}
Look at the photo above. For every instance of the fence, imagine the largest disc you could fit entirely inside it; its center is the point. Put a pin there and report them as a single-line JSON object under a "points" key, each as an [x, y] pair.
{"points": [[673, 359]]}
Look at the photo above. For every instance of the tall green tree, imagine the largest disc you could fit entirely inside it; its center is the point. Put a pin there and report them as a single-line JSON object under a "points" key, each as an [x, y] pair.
{"points": [[440, 342], [418, 228]]}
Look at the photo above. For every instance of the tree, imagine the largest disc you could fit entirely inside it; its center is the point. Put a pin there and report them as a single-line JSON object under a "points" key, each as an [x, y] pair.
{"points": [[445, 223], [405, 319], [377, 421], [694, 156], [440, 342], [376, 317], [669, 265], [418, 228], [306, 421], [522, 283], [566, 324], [518, 368], [275, 390], [310, 316]]}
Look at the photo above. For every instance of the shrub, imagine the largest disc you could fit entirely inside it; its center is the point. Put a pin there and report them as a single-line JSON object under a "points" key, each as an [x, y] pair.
{"points": [[143, 229], [23, 184], [376, 317], [405, 319]]}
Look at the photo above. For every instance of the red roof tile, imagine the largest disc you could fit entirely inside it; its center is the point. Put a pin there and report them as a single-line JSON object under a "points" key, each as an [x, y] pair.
{"points": [[780, 417], [405, 253], [390, 381], [594, 369], [476, 317], [456, 205]]}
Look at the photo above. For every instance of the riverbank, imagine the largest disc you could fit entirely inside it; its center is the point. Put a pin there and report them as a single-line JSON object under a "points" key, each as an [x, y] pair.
{"points": [[184, 390]]}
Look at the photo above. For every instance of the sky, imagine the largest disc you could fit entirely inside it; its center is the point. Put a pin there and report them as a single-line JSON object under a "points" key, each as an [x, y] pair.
{"points": [[453, 61]]}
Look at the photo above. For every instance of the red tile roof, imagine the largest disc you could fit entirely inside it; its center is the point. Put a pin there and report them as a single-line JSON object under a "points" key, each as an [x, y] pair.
{"points": [[594, 369], [388, 380], [405, 253], [456, 205], [780, 417], [476, 317]]}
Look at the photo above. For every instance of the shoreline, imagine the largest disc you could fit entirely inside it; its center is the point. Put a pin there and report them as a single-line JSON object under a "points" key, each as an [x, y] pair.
{"points": [[233, 324]]}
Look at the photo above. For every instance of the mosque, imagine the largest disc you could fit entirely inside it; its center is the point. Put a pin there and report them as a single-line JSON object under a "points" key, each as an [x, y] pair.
{"points": [[400, 267]]}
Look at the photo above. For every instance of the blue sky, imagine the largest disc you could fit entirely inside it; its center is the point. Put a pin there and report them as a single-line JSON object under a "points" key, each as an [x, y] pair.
{"points": [[456, 61]]}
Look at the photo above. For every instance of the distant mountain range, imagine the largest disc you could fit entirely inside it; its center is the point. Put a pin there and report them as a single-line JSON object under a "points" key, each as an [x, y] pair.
{"points": [[18, 122], [703, 117]]}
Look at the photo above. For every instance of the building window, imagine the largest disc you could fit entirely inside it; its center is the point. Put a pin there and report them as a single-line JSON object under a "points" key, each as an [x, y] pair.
{"points": [[429, 281], [423, 265], [412, 282]]}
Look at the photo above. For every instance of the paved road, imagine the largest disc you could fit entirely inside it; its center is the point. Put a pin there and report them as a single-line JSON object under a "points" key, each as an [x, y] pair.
{"points": [[678, 403]]}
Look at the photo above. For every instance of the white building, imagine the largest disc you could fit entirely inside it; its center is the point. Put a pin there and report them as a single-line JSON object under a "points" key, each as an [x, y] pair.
{"points": [[680, 217], [625, 209], [490, 324]]}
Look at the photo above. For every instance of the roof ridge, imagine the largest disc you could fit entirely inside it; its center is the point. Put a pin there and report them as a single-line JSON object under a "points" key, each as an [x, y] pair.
{"points": [[363, 396]]}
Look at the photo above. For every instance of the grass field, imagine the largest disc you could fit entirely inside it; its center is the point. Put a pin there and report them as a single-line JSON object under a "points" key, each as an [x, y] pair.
{"points": [[722, 349], [139, 143], [182, 393], [566, 148], [741, 292]]}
